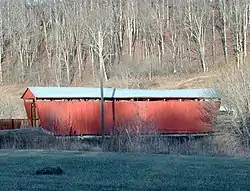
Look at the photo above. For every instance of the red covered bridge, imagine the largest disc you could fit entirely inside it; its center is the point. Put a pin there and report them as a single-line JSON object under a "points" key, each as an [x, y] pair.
{"points": [[76, 111]]}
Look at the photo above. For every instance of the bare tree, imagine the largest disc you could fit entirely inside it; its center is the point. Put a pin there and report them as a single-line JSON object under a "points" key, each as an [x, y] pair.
{"points": [[235, 87], [238, 24], [214, 37], [223, 11], [118, 10], [1, 45], [197, 23], [59, 42], [100, 29], [174, 33], [131, 24]]}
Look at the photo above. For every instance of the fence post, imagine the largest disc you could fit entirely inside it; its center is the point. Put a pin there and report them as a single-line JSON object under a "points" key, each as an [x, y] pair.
{"points": [[12, 123]]}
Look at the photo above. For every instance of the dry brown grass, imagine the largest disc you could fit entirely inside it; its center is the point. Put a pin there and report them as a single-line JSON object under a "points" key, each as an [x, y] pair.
{"points": [[218, 145], [36, 138], [11, 106]]}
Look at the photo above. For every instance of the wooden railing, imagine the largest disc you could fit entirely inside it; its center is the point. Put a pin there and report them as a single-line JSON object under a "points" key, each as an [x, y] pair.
{"points": [[6, 124]]}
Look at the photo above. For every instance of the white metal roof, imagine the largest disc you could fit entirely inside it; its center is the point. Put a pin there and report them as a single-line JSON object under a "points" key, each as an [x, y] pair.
{"points": [[113, 93]]}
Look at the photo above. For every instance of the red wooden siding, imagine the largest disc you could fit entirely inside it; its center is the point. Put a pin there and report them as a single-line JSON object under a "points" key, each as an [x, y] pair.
{"points": [[64, 118], [181, 117], [28, 95], [76, 117], [28, 109]]}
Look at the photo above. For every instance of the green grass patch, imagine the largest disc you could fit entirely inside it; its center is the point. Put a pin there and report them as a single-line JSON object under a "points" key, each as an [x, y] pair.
{"points": [[117, 171]]}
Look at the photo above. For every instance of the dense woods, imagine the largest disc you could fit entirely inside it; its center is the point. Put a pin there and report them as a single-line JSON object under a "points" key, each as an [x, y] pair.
{"points": [[60, 42]]}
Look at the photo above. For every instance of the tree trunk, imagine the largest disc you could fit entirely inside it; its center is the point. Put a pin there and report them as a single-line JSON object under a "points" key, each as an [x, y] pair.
{"points": [[202, 58], [214, 40], [245, 26], [100, 54], [224, 29]]}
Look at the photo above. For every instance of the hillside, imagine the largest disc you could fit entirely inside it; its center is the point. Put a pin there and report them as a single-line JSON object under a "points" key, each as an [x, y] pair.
{"points": [[69, 42]]}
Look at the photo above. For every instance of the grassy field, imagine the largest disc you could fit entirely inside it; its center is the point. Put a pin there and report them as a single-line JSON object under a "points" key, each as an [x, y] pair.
{"points": [[116, 171]]}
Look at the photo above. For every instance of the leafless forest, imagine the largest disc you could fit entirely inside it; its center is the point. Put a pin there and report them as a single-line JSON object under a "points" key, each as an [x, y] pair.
{"points": [[62, 42]]}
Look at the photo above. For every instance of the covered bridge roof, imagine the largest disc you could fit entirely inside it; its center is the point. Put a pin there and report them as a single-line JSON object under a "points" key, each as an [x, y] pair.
{"points": [[113, 93]]}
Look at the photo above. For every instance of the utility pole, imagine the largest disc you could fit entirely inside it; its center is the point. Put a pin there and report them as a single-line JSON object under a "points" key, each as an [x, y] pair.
{"points": [[101, 62], [102, 105]]}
